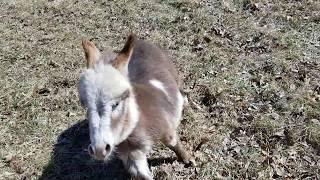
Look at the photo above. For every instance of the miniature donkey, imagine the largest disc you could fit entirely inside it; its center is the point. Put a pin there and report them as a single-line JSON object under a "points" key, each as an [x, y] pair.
{"points": [[132, 99]]}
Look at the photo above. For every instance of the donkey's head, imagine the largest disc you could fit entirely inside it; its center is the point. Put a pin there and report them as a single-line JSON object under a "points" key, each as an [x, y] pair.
{"points": [[106, 93]]}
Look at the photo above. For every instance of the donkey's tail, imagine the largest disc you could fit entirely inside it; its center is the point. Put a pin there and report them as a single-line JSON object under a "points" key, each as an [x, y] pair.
{"points": [[185, 97]]}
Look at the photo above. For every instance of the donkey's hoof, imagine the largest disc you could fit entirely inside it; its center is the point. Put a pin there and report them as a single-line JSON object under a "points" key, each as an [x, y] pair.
{"points": [[190, 162]]}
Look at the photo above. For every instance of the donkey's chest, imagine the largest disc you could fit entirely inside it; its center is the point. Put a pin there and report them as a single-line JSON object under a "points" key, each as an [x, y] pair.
{"points": [[138, 140]]}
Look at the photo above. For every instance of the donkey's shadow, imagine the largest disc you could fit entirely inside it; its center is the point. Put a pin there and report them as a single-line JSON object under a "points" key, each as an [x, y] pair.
{"points": [[69, 160]]}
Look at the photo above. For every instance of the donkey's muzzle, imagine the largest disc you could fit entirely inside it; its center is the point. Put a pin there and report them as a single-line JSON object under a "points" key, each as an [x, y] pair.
{"points": [[99, 153]]}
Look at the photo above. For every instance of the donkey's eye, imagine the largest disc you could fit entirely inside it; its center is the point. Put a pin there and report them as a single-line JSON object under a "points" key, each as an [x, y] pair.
{"points": [[115, 105]]}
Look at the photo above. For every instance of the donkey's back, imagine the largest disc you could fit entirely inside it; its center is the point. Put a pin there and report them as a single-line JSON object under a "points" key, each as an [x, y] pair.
{"points": [[150, 62]]}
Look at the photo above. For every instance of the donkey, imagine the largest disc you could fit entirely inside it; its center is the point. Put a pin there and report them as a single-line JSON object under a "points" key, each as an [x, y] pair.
{"points": [[132, 99]]}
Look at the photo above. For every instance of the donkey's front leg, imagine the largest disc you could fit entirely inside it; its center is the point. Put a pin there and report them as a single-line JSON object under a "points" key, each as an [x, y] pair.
{"points": [[137, 165]]}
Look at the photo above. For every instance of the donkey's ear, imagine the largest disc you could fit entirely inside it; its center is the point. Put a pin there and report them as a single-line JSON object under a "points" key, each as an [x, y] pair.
{"points": [[122, 60], [92, 53]]}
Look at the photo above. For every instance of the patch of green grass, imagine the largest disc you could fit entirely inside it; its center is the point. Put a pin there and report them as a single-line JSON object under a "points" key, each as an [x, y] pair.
{"points": [[313, 130], [266, 126]]}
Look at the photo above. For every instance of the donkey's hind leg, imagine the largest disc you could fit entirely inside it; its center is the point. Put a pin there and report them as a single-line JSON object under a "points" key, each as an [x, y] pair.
{"points": [[171, 138], [173, 142]]}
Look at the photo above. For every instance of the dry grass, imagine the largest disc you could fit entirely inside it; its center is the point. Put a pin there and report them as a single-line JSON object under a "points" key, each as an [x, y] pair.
{"points": [[252, 68]]}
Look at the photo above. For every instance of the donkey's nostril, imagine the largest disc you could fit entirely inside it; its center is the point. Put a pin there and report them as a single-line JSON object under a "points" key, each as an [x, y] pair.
{"points": [[90, 149], [108, 148]]}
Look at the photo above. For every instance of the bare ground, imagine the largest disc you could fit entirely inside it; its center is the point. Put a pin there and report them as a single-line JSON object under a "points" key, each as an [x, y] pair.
{"points": [[251, 68]]}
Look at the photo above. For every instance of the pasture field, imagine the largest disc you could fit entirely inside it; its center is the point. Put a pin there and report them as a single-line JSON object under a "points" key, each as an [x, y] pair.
{"points": [[251, 69]]}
